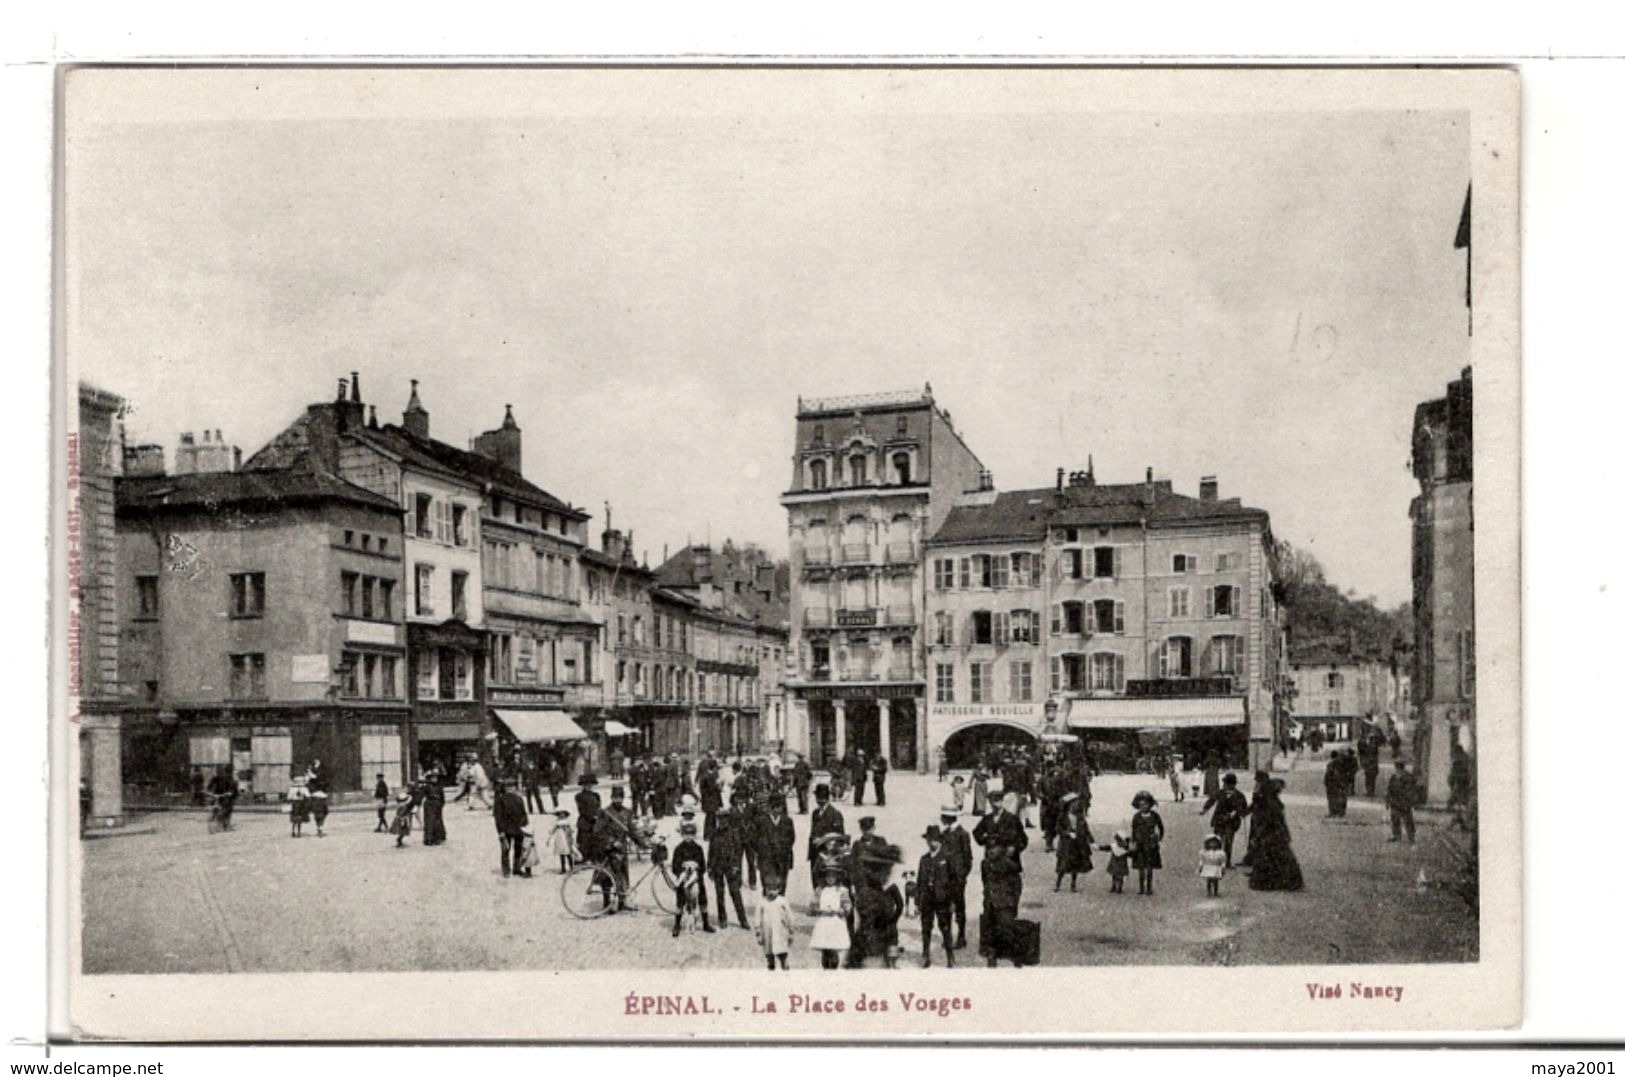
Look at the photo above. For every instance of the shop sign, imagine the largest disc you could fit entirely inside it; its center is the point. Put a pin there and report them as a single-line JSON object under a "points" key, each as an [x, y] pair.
{"points": [[1030, 712]]}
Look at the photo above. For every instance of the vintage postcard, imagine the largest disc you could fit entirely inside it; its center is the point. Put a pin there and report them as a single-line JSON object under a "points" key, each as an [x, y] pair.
{"points": [[787, 553]]}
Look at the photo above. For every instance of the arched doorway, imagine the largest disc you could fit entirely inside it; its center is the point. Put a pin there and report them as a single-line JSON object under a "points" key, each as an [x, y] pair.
{"points": [[966, 745]]}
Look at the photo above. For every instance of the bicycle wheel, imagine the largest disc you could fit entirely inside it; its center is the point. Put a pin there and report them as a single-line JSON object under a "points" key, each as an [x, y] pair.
{"points": [[584, 889], [664, 891]]}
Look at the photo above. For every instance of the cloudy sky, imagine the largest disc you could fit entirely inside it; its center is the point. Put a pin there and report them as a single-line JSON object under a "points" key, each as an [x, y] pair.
{"points": [[650, 266]]}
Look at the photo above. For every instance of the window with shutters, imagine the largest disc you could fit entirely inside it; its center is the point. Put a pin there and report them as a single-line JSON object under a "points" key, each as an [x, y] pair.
{"points": [[1104, 616], [1072, 619], [1001, 629], [423, 516], [999, 570], [424, 599], [1184, 564], [1054, 674], [1021, 682], [459, 525], [1106, 672], [1225, 656], [1024, 626], [945, 682], [981, 682], [1221, 601], [943, 571], [1105, 561], [981, 622], [945, 629], [1072, 564], [1174, 659], [1179, 602], [1225, 562]]}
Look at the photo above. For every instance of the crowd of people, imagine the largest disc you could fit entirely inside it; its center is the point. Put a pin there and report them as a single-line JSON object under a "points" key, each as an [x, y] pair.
{"points": [[734, 833]]}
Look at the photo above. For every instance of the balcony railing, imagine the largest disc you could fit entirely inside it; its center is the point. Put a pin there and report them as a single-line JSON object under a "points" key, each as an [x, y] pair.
{"points": [[900, 673], [855, 553], [900, 552], [899, 615], [818, 673], [857, 618], [817, 618], [816, 555], [857, 673]]}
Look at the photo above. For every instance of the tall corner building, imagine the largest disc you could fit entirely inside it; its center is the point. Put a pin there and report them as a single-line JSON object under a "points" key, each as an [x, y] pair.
{"points": [[873, 477]]}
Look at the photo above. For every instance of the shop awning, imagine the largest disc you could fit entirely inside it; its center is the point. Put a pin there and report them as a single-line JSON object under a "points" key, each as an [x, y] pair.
{"points": [[1157, 713], [535, 727], [612, 728], [448, 730]]}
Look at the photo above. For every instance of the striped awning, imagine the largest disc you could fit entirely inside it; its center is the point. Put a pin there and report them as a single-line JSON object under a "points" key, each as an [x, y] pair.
{"points": [[1157, 712]]}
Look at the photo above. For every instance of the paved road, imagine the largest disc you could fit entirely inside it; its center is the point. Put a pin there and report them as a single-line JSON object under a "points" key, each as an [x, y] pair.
{"points": [[182, 900]]}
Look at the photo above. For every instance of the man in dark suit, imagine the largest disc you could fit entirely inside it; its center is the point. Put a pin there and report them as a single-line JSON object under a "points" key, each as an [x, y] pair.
{"points": [[1229, 809], [511, 820], [999, 827], [773, 836], [858, 767], [826, 819], [724, 862], [958, 845], [868, 841], [937, 883]]}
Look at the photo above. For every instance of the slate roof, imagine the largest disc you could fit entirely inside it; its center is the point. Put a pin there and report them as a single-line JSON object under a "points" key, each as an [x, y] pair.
{"points": [[158, 493], [1027, 515], [435, 455]]}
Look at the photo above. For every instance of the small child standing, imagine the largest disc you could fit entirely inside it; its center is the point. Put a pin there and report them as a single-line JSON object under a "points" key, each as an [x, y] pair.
{"points": [[1175, 786], [1145, 831], [402, 825], [1117, 866], [1211, 865], [774, 927], [298, 807], [832, 904], [562, 840]]}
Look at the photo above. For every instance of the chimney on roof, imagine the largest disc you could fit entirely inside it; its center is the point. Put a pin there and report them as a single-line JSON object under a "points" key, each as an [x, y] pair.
{"points": [[1210, 488], [372, 416], [1060, 479], [211, 455], [140, 460], [416, 417], [502, 444], [355, 387]]}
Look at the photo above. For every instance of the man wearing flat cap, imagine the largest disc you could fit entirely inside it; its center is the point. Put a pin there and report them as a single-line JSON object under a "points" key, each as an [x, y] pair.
{"points": [[1000, 827], [937, 883]]}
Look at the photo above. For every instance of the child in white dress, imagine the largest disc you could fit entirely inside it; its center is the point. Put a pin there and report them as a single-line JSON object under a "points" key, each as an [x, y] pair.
{"points": [[832, 904], [1211, 864], [775, 927], [562, 840]]}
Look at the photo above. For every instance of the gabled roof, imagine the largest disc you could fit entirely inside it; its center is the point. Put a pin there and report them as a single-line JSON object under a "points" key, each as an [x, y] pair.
{"points": [[210, 490], [437, 456], [1027, 515]]}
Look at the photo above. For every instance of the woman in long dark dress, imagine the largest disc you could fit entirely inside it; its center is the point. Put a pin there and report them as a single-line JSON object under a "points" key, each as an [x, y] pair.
{"points": [[1274, 865], [1072, 842], [434, 808]]}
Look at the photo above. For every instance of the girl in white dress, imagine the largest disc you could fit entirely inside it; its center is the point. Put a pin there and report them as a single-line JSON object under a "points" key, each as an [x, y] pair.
{"points": [[774, 927], [832, 905]]}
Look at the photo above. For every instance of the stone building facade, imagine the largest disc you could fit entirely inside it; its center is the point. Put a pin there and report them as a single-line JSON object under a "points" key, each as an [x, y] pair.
{"points": [[872, 477], [1106, 610], [1444, 662], [95, 461]]}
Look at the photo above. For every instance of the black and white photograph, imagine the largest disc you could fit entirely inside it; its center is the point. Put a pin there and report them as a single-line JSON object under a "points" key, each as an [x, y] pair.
{"points": [[881, 525]]}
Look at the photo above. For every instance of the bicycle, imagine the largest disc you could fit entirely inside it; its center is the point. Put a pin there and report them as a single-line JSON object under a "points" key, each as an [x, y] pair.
{"points": [[592, 890]]}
